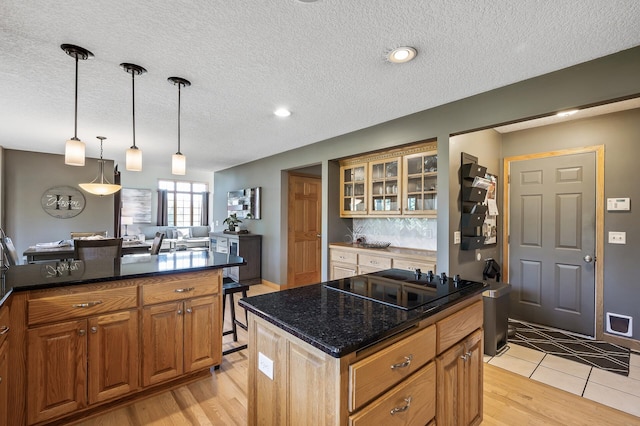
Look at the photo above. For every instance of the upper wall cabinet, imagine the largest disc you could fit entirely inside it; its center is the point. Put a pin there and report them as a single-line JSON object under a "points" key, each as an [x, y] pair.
{"points": [[399, 182]]}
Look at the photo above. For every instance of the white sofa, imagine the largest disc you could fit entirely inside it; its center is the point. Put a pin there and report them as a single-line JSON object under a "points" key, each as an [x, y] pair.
{"points": [[181, 237]]}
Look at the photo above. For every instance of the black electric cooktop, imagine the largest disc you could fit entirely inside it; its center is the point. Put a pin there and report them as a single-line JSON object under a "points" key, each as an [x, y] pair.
{"points": [[401, 289]]}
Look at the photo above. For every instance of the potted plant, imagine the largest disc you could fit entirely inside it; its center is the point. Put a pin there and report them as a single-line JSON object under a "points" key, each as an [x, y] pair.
{"points": [[232, 222]]}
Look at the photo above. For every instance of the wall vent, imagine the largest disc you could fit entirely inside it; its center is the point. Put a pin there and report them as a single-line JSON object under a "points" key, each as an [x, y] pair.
{"points": [[619, 324]]}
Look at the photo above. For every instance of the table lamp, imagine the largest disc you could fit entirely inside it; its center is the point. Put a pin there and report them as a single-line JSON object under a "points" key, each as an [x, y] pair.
{"points": [[126, 221]]}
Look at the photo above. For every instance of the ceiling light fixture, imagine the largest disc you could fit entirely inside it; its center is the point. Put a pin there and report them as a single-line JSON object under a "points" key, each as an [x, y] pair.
{"points": [[567, 113], [282, 112], [134, 155], [179, 161], [403, 54], [100, 185], [74, 148]]}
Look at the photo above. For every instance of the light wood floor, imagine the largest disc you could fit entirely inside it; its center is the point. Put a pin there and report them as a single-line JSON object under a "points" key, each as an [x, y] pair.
{"points": [[509, 399]]}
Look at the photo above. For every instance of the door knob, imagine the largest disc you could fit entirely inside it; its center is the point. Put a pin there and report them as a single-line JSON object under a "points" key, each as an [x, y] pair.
{"points": [[588, 259]]}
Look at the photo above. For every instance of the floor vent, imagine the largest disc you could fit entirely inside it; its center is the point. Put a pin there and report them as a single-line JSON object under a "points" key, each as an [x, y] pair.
{"points": [[619, 324]]}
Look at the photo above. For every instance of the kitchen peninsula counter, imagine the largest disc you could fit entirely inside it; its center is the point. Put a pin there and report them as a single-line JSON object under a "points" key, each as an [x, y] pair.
{"points": [[83, 336], [322, 355]]}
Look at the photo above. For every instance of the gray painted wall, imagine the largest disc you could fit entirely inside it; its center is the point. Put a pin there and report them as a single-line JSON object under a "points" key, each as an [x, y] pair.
{"points": [[603, 79], [620, 134]]}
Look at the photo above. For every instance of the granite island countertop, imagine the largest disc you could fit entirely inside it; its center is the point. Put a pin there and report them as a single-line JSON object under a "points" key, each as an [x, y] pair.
{"points": [[52, 274], [340, 323]]}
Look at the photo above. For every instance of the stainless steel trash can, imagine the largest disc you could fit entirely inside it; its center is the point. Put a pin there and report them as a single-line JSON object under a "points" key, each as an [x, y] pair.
{"points": [[496, 317]]}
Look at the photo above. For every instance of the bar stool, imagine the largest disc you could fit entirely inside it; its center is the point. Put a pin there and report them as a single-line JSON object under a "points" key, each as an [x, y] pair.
{"points": [[229, 288]]}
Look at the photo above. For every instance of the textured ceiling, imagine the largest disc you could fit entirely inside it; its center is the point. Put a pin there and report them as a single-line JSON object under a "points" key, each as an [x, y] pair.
{"points": [[323, 60]]}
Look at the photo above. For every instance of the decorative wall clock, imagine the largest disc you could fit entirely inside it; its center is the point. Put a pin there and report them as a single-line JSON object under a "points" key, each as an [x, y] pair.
{"points": [[63, 202]]}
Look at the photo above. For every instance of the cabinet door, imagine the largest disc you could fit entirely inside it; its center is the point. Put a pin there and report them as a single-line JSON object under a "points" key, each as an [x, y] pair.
{"points": [[385, 187], [202, 333], [113, 355], [162, 348], [420, 180], [56, 370], [4, 388], [353, 190], [450, 379], [474, 349]]}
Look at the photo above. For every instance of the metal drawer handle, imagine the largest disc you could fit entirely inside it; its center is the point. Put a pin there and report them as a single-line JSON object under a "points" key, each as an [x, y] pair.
{"points": [[4, 329], [189, 310], [94, 330], [184, 290], [404, 364], [373, 262], [403, 408], [87, 305], [466, 356]]}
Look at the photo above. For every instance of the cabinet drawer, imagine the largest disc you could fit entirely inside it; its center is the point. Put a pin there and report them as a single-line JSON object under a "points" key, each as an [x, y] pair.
{"points": [[59, 305], [372, 261], [417, 394], [344, 256], [376, 373], [175, 288], [412, 265], [457, 326], [4, 323]]}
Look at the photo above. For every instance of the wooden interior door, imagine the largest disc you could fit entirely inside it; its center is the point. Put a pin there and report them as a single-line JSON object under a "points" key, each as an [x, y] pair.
{"points": [[304, 230]]}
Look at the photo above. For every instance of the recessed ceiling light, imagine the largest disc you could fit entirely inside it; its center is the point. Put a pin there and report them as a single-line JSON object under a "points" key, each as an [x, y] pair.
{"points": [[403, 54], [567, 113], [282, 112]]}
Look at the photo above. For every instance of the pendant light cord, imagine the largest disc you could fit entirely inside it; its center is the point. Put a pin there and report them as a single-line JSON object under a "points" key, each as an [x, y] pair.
{"points": [[75, 118], [133, 106], [179, 87]]}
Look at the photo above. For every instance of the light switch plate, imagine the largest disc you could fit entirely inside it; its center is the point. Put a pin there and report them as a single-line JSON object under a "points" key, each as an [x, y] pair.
{"points": [[456, 237], [617, 237]]}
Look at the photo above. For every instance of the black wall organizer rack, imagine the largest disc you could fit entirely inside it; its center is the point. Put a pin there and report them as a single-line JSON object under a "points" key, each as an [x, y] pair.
{"points": [[472, 197]]}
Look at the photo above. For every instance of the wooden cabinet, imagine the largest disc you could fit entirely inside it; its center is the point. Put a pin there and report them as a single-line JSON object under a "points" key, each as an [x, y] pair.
{"points": [[347, 260], [401, 380], [247, 246], [179, 312], [71, 364], [420, 183], [4, 364], [459, 376], [385, 187], [353, 189], [401, 181]]}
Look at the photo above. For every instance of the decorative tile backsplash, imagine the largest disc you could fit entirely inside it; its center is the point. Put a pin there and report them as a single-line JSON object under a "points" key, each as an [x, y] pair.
{"points": [[415, 233]]}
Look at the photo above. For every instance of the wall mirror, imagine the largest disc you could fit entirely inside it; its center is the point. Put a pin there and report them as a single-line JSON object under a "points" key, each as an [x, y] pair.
{"points": [[245, 203]]}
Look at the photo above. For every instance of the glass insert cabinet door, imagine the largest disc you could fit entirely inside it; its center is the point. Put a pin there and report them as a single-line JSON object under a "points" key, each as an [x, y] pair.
{"points": [[385, 186], [354, 190], [421, 179]]}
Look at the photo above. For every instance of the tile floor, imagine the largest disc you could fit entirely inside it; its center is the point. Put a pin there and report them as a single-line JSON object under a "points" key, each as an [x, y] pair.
{"points": [[614, 390]]}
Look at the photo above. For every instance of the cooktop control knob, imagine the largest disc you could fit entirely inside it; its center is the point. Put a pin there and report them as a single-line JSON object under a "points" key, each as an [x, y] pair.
{"points": [[456, 279], [443, 277], [430, 276], [418, 273]]}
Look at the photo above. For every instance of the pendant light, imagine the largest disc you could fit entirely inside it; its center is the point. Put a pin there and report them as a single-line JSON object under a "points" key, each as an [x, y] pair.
{"points": [[74, 148], [179, 161], [100, 185], [134, 155]]}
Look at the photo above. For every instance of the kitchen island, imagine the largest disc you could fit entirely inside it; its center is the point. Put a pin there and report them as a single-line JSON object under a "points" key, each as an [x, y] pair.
{"points": [[87, 335], [370, 349]]}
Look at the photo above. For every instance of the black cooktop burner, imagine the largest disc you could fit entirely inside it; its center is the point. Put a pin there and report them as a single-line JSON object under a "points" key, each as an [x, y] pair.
{"points": [[398, 288]]}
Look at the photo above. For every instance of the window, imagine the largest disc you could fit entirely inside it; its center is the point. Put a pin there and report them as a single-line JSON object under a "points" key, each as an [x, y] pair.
{"points": [[184, 202]]}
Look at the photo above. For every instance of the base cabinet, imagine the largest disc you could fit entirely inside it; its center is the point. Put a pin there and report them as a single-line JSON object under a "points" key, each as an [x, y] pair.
{"points": [[459, 372], [4, 364], [82, 362], [400, 381]]}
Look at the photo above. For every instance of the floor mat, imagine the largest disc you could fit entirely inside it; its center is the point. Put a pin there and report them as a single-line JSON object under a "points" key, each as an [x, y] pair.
{"points": [[595, 353]]}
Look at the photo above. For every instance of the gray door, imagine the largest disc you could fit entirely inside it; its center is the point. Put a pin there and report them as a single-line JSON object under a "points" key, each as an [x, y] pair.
{"points": [[552, 241]]}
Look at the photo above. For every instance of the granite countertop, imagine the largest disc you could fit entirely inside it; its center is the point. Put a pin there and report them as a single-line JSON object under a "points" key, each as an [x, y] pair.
{"points": [[62, 273], [339, 323]]}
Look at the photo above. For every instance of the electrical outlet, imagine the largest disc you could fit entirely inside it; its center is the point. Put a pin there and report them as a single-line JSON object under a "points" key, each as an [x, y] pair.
{"points": [[456, 237], [617, 237]]}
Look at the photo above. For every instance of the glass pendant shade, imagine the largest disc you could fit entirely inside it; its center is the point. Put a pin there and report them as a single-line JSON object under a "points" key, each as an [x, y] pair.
{"points": [[178, 164], [134, 159], [74, 152], [100, 185]]}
